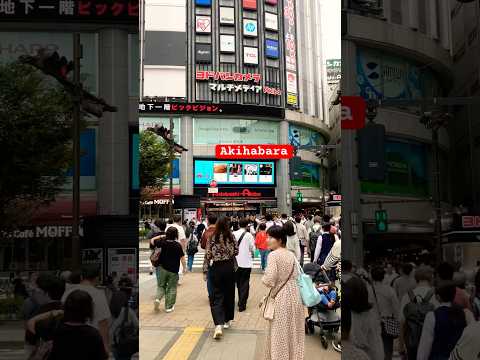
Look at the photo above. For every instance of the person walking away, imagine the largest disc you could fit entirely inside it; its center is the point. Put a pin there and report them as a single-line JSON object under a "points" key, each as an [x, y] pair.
{"points": [[405, 282], [445, 274], [269, 221], [101, 311], [386, 304], [414, 306], [159, 234], [309, 223], [324, 245], [182, 238], [192, 247], [285, 339], [219, 261], [354, 304], [207, 234], [302, 234], [443, 326], [283, 219], [468, 347], [68, 331], [313, 236], [171, 255], [390, 274], [246, 250], [293, 243], [262, 245]]}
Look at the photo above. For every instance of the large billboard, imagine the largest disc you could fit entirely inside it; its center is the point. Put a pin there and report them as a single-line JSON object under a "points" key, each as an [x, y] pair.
{"points": [[291, 52], [232, 172]]}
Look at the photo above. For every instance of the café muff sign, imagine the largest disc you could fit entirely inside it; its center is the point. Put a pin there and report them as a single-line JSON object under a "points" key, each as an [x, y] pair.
{"points": [[43, 231]]}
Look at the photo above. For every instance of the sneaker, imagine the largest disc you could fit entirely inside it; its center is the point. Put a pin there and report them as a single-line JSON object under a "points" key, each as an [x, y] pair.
{"points": [[156, 304], [170, 310], [227, 325], [218, 332]]}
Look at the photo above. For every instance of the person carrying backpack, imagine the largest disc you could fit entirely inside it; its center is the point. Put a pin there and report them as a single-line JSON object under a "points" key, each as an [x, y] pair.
{"points": [[414, 307], [192, 247]]}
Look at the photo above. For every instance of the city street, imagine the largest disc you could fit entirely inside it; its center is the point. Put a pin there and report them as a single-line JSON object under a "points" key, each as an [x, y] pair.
{"points": [[187, 332]]}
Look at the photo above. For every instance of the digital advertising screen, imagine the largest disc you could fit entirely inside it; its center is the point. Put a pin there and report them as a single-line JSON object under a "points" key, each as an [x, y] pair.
{"points": [[233, 172]]}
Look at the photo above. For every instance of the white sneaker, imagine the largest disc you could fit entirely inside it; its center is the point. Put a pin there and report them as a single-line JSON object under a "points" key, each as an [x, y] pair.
{"points": [[156, 304], [218, 332], [227, 325], [170, 310]]}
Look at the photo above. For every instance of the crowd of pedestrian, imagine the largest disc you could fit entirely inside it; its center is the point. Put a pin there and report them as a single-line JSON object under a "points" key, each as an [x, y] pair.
{"points": [[72, 315], [230, 245], [412, 310]]}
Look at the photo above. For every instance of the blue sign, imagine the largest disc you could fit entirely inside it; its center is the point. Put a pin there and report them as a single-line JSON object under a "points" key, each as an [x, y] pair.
{"points": [[204, 2], [271, 49], [250, 27]]}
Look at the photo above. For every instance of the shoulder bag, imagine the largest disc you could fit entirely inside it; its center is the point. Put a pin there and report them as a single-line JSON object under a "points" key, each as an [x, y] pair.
{"points": [[308, 292], [268, 302], [390, 325]]}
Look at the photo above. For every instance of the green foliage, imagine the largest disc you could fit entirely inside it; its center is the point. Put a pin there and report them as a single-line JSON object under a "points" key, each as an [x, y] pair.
{"points": [[35, 141], [154, 160]]}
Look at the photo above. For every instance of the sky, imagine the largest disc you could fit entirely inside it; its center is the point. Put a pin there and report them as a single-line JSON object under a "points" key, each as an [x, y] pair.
{"points": [[331, 23]]}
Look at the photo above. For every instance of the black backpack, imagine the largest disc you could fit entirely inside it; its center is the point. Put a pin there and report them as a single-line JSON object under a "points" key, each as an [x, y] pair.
{"points": [[125, 337], [415, 312], [312, 241], [192, 246]]}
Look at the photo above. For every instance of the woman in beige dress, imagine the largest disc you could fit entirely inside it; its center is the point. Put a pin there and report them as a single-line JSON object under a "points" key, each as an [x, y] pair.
{"points": [[286, 332]]}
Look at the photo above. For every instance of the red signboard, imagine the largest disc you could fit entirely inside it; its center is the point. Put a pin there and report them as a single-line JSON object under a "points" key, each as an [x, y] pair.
{"points": [[228, 76], [272, 2], [469, 222], [250, 4], [240, 193], [259, 151], [353, 112]]}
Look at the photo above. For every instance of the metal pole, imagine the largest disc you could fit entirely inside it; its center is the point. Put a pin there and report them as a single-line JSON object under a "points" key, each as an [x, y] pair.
{"points": [[171, 150], [438, 197], [324, 173], [76, 248]]}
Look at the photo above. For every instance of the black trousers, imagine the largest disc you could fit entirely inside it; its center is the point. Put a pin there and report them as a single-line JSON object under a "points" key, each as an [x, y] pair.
{"points": [[302, 254], [387, 346], [243, 285], [222, 303]]}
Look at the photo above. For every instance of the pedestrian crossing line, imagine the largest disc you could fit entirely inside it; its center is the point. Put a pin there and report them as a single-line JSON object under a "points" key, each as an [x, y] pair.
{"points": [[185, 344]]}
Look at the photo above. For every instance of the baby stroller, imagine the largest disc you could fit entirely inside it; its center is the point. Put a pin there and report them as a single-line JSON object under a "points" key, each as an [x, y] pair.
{"points": [[325, 318]]}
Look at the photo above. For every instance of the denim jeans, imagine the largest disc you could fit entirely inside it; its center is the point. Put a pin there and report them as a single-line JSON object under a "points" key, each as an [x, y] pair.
{"points": [[190, 262], [263, 258], [209, 284]]}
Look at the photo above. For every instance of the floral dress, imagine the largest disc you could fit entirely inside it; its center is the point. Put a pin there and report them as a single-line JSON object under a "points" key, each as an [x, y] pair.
{"points": [[286, 332]]}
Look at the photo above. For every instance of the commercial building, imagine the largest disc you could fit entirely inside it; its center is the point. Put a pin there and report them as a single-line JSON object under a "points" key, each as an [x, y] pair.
{"points": [[395, 50], [250, 74], [109, 70]]}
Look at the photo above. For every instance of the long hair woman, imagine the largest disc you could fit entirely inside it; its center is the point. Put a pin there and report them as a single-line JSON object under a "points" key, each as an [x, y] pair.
{"points": [[219, 261], [286, 332]]}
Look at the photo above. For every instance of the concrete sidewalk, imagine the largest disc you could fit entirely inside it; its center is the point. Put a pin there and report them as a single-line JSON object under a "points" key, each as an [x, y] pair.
{"points": [[186, 333]]}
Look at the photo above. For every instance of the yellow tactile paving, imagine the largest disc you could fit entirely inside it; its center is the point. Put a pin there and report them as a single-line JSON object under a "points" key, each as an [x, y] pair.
{"points": [[185, 344]]}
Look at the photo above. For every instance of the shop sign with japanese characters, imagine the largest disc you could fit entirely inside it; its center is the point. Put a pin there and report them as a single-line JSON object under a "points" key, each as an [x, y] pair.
{"points": [[112, 11]]}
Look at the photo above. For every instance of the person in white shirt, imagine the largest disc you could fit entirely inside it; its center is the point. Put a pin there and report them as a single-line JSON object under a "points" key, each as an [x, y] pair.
{"points": [[269, 220], [182, 239], [246, 249], [390, 275], [101, 310], [444, 326], [302, 234], [293, 243]]}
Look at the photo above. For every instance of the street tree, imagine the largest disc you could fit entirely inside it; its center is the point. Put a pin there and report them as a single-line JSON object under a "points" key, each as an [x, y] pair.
{"points": [[155, 157], [35, 142]]}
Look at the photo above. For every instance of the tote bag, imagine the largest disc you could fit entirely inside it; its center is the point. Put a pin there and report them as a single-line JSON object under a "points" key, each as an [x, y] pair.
{"points": [[310, 295]]}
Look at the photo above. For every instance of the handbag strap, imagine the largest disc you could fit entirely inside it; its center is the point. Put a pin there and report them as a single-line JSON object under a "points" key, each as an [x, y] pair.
{"points": [[281, 287]]}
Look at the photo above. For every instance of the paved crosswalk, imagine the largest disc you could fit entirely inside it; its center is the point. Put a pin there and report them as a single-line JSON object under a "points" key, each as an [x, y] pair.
{"points": [[145, 265]]}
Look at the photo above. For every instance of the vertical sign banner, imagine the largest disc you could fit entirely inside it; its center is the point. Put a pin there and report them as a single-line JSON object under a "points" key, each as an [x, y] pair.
{"points": [[334, 71], [250, 4], [291, 52]]}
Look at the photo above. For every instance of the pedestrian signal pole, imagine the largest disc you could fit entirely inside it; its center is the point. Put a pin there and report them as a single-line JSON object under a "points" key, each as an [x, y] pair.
{"points": [[171, 154]]}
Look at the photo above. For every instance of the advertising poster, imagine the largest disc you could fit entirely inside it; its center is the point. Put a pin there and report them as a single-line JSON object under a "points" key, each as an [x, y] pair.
{"points": [[271, 49], [334, 71], [250, 28], [203, 53], [271, 21], [123, 261], [203, 24], [250, 4], [227, 43], [227, 15], [93, 256], [234, 172], [189, 214], [291, 52], [250, 55]]}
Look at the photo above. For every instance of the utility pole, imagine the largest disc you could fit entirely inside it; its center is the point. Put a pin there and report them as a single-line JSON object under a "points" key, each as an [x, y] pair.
{"points": [[171, 150], [76, 248]]}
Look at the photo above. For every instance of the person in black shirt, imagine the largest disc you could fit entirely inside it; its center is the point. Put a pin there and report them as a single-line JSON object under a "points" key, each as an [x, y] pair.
{"points": [[71, 337], [169, 264]]}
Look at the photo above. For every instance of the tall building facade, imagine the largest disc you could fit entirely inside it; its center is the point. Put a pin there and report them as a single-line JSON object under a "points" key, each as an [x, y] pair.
{"points": [[395, 50], [108, 179], [249, 74]]}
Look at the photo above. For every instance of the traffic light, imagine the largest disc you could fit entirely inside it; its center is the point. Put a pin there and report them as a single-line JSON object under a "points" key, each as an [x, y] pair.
{"points": [[299, 197], [381, 220], [52, 64]]}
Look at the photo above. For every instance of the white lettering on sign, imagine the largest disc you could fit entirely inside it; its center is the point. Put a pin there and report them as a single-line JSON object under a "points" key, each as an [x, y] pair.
{"points": [[45, 231], [257, 89]]}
